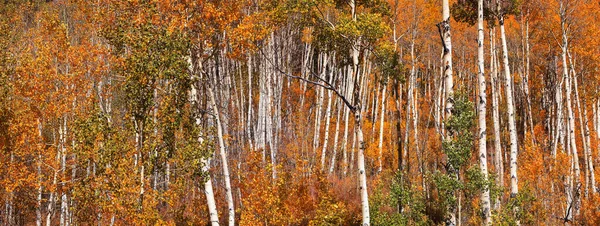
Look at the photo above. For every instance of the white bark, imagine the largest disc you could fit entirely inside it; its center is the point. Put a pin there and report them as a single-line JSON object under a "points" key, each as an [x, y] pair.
{"points": [[38, 209], [349, 90], [362, 177], [249, 121], [485, 194], [210, 195], [335, 140], [320, 97], [381, 124], [63, 140], [498, 162], [514, 189], [208, 188], [327, 121], [570, 118], [444, 29], [224, 160]]}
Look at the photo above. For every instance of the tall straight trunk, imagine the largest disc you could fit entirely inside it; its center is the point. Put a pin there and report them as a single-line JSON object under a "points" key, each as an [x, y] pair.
{"points": [[349, 91], [205, 161], [320, 97], [590, 159], [362, 174], [275, 106], [409, 105], [38, 209], [249, 128], [52, 199], [415, 93], [308, 52], [224, 160], [526, 78], [559, 135], [381, 124], [485, 193], [583, 128], [591, 178], [597, 114], [317, 129], [498, 162], [438, 106], [444, 29], [208, 191], [510, 108], [336, 136], [375, 107], [63, 200], [570, 122], [327, 121]]}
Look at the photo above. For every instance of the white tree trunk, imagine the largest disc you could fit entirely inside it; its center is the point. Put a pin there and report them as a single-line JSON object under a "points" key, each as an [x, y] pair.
{"points": [[498, 162], [444, 29], [349, 91], [38, 209], [482, 101], [514, 189], [208, 188], [249, 121], [327, 121], [224, 160], [335, 140], [381, 124], [570, 121], [210, 195], [362, 176], [63, 140]]}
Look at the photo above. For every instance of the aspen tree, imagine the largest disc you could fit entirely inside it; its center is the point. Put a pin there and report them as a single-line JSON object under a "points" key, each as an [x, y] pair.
{"points": [[576, 173], [205, 161], [381, 124], [444, 30], [362, 177], [510, 106], [498, 163], [336, 136], [482, 101], [224, 159], [327, 120]]}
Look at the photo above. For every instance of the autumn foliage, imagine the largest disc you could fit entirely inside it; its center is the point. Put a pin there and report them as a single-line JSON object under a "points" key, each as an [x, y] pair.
{"points": [[127, 112]]}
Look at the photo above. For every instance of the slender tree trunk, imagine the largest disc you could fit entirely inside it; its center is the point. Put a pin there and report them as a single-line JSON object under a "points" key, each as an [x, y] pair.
{"points": [[571, 124], [38, 209], [485, 194], [362, 176], [320, 97], [526, 79], [381, 124], [498, 162], [51, 201], [512, 128], [63, 140], [444, 29], [336, 136], [327, 121], [249, 128], [224, 160], [205, 161], [349, 91]]}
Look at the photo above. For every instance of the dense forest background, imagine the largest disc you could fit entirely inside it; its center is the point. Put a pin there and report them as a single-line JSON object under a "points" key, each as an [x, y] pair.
{"points": [[299, 112]]}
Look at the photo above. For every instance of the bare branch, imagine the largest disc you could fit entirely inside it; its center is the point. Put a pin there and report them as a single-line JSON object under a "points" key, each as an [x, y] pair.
{"points": [[325, 84]]}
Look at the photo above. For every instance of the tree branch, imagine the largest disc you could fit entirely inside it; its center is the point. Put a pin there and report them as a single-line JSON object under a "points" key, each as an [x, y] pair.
{"points": [[326, 84]]}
